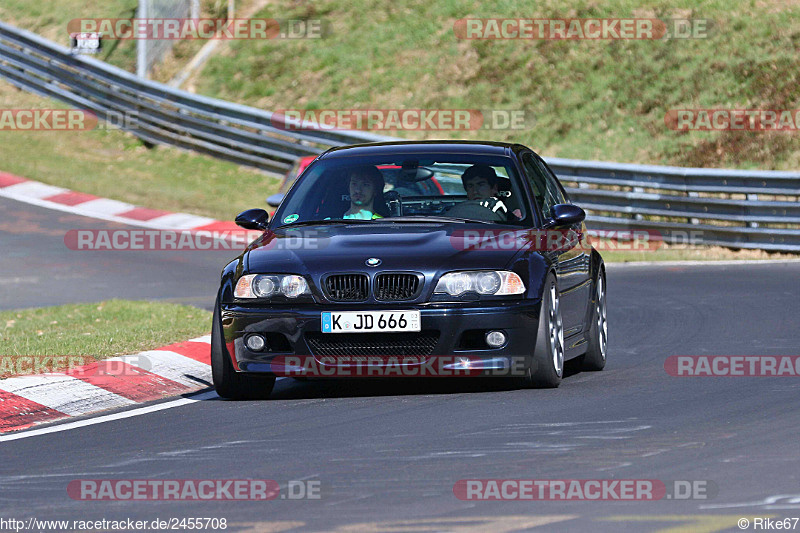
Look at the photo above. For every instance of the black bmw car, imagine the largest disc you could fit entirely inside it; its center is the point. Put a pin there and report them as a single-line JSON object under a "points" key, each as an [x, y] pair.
{"points": [[394, 255]]}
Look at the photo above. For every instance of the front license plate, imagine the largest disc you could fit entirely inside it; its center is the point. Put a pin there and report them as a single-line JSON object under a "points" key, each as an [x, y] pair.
{"points": [[370, 321]]}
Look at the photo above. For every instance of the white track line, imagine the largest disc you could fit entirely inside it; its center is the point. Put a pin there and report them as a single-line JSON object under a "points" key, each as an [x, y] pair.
{"points": [[71, 209], [130, 413], [109, 418], [179, 222]]}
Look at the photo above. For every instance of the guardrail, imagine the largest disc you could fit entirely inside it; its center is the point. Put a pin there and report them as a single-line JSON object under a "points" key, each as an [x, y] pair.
{"points": [[162, 114], [731, 208], [683, 204]]}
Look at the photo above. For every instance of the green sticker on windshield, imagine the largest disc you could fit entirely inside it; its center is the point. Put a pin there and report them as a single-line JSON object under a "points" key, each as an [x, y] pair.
{"points": [[291, 218]]}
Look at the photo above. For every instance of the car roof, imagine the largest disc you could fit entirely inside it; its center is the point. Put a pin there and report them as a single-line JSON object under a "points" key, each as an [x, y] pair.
{"points": [[410, 147]]}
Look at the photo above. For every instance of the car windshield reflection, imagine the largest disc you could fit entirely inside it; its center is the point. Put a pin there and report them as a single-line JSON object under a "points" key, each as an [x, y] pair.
{"points": [[481, 189]]}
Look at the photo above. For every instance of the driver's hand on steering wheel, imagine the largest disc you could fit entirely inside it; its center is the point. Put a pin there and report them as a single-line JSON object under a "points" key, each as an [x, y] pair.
{"points": [[495, 204]]}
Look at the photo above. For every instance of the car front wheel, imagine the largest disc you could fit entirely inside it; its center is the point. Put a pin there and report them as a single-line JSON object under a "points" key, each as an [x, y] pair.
{"points": [[547, 363], [227, 382]]}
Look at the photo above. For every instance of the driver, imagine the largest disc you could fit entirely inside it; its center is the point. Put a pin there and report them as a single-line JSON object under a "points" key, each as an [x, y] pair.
{"points": [[481, 183], [366, 185]]}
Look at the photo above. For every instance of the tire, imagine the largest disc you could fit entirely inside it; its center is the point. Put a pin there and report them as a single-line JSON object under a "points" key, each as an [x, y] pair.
{"points": [[547, 362], [595, 357], [230, 384]]}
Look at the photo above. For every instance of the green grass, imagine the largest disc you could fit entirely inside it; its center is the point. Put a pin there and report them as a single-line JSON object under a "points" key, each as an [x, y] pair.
{"points": [[611, 254], [98, 330], [113, 164], [589, 99], [49, 18]]}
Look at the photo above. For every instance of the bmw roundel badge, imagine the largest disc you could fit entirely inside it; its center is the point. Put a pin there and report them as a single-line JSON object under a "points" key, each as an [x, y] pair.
{"points": [[373, 261]]}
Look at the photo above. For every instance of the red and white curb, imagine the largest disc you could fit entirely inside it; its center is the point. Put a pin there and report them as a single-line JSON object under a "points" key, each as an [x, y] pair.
{"points": [[121, 381], [117, 382], [78, 203]]}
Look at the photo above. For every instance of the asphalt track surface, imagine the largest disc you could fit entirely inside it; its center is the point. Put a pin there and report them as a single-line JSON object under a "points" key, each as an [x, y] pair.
{"points": [[37, 268], [387, 453]]}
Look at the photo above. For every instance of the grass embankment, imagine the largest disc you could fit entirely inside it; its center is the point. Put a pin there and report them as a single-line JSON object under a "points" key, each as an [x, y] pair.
{"points": [[49, 19], [590, 99], [113, 164], [616, 253], [97, 330]]}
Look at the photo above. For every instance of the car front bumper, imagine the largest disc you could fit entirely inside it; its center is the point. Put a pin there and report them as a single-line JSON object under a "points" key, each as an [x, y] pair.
{"points": [[455, 331]]}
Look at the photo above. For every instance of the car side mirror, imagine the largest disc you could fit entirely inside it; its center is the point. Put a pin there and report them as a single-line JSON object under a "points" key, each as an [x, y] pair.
{"points": [[275, 200], [256, 219], [565, 215]]}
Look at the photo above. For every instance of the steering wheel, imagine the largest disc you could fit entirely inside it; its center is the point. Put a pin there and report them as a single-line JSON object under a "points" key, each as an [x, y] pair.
{"points": [[487, 210]]}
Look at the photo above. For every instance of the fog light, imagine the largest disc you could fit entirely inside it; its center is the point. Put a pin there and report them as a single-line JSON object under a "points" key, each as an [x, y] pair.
{"points": [[495, 339], [255, 343]]}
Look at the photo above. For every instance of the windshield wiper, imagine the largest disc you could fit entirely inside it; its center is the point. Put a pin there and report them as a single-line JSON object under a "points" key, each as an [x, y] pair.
{"points": [[420, 218], [327, 222], [434, 220]]}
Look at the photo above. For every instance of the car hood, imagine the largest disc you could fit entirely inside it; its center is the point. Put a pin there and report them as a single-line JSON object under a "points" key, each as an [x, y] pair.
{"points": [[398, 246]]}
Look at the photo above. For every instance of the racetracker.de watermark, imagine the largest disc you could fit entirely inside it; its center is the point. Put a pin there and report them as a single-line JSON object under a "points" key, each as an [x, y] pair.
{"points": [[581, 28], [78, 365], [191, 489], [556, 240], [47, 120], [733, 365], [553, 240], [200, 28], [733, 119], [86, 240], [583, 489], [65, 120], [402, 119], [395, 366], [40, 364]]}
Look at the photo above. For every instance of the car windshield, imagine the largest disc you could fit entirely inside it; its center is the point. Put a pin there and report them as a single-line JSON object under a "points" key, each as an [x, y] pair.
{"points": [[414, 187]]}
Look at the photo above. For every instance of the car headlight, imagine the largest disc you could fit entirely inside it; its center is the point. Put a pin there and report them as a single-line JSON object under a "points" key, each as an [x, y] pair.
{"points": [[488, 282], [268, 285]]}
